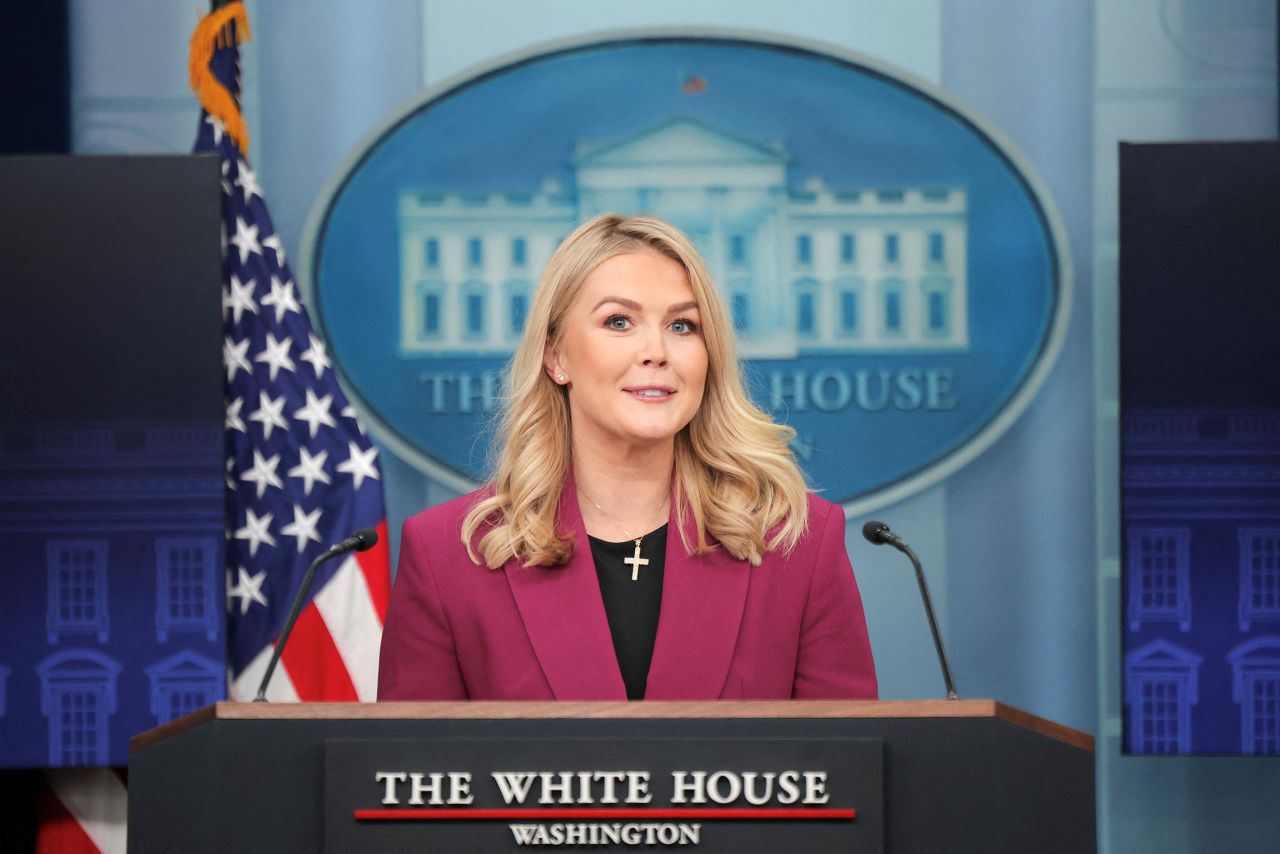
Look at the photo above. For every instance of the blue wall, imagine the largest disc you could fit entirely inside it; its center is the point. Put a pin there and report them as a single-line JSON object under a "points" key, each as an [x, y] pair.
{"points": [[1022, 544]]}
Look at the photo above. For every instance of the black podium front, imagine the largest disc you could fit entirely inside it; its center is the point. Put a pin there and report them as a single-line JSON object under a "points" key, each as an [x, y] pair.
{"points": [[898, 777]]}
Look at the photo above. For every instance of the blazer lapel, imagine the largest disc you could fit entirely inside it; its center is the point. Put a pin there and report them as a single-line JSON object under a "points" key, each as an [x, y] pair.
{"points": [[703, 597], [564, 616]]}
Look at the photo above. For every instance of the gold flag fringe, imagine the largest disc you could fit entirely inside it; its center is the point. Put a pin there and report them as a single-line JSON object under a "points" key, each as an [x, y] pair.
{"points": [[223, 28]]}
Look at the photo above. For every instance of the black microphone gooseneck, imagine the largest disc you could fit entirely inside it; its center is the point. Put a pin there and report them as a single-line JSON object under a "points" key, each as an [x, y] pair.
{"points": [[878, 533], [360, 541]]}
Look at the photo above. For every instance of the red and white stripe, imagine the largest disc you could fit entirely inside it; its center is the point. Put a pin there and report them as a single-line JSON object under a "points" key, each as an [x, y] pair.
{"points": [[82, 811], [333, 652]]}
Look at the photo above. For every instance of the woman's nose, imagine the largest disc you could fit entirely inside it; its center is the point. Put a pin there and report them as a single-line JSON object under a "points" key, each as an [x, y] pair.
{"points": [[653, 349]]}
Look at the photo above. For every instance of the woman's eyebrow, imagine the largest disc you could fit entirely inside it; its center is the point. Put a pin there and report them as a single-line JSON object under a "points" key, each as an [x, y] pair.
{"points": [[635, 306], [622, 301]]}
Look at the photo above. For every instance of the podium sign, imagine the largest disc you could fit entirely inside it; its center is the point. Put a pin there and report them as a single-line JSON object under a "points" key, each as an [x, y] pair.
{"points": [[714, 794], [865, 777]]}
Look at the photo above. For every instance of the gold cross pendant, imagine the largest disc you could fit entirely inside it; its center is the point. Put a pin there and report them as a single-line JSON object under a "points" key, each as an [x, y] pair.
{"points": [[636, 562]]}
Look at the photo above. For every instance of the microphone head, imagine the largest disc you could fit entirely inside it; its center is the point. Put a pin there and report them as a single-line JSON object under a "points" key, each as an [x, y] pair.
{"points": [[366, 538], [875, 532]]}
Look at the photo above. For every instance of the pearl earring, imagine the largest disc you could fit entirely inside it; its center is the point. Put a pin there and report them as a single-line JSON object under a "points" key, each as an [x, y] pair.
{"points": [[559, 378]]}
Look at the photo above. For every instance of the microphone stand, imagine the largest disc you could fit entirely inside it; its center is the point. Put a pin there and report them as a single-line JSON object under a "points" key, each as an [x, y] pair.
{"points": [[877, 533], [359, 541], [901, 545], [288, 624]]}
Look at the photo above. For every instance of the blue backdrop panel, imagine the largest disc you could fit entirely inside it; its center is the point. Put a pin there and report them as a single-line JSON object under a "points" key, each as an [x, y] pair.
{"points": [[111, 587], [1200, 400]]}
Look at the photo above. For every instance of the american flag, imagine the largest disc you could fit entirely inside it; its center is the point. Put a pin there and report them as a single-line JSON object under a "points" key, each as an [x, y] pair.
{"points": [[301, 474], [693, 84]]}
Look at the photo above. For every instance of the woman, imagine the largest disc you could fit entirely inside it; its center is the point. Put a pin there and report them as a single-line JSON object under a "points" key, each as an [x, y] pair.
{"points": [[647, 533]]}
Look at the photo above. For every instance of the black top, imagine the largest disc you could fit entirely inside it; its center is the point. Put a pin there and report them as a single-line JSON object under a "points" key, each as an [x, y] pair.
{"points": [[632, 606]]}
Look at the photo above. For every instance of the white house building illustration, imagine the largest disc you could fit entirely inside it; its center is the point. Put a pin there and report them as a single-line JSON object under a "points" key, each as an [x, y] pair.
{"points": [[78, 696], [1194, 524], [814, 269], [77, 600], [1255, 672], [1163, 683], [1159, 575], [1259, 574], [183, 682], [125, 551], [186, 591]]}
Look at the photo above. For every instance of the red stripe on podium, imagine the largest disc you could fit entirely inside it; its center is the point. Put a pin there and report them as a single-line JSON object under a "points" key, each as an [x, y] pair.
{"points": [[735, 814]]}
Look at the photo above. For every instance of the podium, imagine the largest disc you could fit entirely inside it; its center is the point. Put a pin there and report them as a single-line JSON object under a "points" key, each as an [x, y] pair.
{"points": [[888, 776]]}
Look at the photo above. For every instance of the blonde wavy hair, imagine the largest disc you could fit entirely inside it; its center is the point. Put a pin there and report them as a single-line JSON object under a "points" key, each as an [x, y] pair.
{"points": [[734, 469]]}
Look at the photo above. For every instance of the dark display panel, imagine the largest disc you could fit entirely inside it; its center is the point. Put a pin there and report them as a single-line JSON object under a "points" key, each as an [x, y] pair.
{"points": [[1200, 447], [112, 604]]}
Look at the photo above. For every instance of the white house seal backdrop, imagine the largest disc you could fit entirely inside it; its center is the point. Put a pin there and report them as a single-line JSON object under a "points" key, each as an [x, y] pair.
{"points": [[896, 277]]}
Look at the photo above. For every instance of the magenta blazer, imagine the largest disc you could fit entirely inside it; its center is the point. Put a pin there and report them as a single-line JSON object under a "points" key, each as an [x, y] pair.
{"points": [[792, 627]]}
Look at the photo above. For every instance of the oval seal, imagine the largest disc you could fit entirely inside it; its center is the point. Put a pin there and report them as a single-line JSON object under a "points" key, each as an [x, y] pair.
{"points": [[897, 276]]}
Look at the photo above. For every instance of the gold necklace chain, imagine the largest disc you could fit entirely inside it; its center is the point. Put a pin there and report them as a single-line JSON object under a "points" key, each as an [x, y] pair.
{"points": [[657, 513], [635, 561]]}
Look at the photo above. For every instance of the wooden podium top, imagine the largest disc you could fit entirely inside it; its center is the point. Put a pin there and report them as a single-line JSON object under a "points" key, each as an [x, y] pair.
{"points": [[618, 709]]}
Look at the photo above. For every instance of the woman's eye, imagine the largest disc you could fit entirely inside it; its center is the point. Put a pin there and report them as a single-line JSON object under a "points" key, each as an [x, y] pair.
{"points": [[618, 321], [683, 327]]}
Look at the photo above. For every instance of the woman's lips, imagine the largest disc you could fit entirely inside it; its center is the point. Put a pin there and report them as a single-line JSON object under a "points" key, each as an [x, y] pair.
{"points": [[650, 393]]}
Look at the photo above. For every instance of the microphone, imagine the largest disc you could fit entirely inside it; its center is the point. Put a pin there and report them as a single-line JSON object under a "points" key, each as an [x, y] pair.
{"points": [[362, 540], [878, 534]]}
